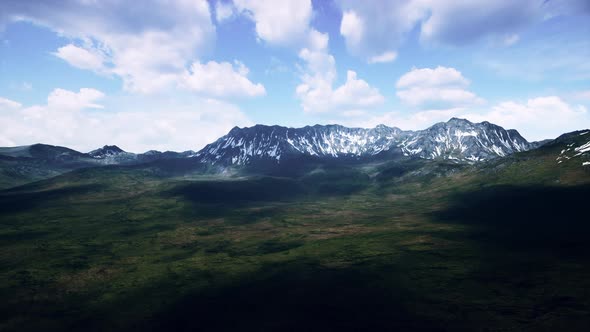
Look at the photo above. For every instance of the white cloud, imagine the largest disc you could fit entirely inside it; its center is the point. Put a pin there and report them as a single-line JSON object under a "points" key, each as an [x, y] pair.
{"points": [[148, 46], [80, 57], [511, 40], [162, 125], [223, 11], [221, 79], [582, 95], [388, 56], [406, 121], [371, 28], [68, 100], [440, 88], [441, 97], [284, 23], [8, 104], [317, 93], [357, 93], [427, 77], [536, 119], [462, 22], [287, 23], [352, 28]]}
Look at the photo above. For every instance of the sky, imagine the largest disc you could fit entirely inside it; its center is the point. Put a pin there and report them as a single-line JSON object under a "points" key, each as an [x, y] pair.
{"points": [[178, 74]]}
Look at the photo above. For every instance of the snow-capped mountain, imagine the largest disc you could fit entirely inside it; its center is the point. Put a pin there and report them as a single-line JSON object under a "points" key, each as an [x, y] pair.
{"points": [[241, 146], [457, 139], [463, 140], [112, 154]]}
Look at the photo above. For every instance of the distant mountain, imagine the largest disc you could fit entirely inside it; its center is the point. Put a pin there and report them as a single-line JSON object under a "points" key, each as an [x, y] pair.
{"points": [[45, 152], [22, 164], [457, 139], [282, 150], [107, 150], [112, 155]]}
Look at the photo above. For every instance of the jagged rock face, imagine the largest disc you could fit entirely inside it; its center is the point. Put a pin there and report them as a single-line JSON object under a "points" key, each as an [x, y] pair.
{"points": [[456, 139], [242, 146], [463, 140]]}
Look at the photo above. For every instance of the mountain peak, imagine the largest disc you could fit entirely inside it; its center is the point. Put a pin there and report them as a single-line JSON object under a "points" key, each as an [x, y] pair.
{"points": [[112, 148], [459, 120], [107, 150]]}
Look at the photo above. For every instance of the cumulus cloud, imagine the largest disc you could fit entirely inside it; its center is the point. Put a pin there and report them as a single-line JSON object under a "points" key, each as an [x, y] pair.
{"points": [[71, 119], [317, 92], [352, 28], [284, 23], [287, 24], [149, 47], [223, 11], [371, 28], [144, 45], [427, 77], [582, 95], [81, 58], [383, 58], [440, 87], [221, 79], [537, 118], [8, 104], [437, 97], [68, 100], [318, 95]]}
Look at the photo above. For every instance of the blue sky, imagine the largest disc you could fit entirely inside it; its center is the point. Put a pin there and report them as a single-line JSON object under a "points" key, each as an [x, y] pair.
{"points": [[177, 74]]}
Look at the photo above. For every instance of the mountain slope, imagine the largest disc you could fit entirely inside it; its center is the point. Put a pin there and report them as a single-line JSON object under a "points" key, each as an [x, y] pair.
{"points": [[575, 147]]}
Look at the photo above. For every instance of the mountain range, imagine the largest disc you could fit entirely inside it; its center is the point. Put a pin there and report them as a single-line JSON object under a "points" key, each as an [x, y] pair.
{"points": [[457, 140]]}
